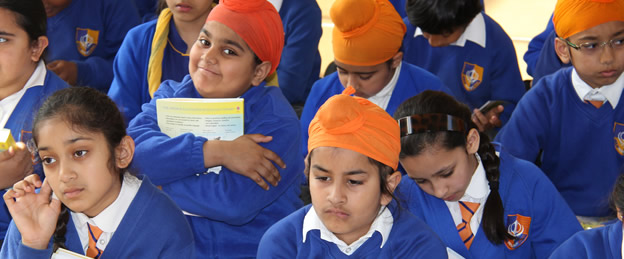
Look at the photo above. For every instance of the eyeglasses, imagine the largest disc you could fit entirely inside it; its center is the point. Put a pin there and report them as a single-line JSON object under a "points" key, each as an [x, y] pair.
{"points": [[591, 48]]}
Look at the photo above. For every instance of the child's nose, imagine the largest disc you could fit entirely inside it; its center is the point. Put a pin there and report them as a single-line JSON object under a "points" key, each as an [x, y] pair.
{"points": [[336, 195]]}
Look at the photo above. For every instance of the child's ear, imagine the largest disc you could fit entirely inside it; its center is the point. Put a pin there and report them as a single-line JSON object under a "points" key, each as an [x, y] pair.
{"points": [[396, 59], [473, 141], [392, 181], [563, 50], [124, 152], [37, 48], [261, 72]]}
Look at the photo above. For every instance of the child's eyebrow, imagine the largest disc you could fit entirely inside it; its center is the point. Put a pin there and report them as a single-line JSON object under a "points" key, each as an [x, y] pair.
{"points": [[235, 44], [317, 167], [355, 172], [618, 33], [204, 31], [359, 73], [3, 33], [443, 170]]}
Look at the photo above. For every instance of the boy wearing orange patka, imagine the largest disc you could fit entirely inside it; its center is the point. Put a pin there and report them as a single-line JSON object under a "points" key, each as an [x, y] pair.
{"points": [[367, 40], [574, 116], [352, 170], [238, 47]]}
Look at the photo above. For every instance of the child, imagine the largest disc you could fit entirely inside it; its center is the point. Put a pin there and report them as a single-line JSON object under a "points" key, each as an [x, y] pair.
{"points": [[603, 242], [83, 146], [154, 52], [367, 41], [580, 143], [455, 173], [469, 51], [85, 36], [239, 45], [354, 150], [24, 85]]}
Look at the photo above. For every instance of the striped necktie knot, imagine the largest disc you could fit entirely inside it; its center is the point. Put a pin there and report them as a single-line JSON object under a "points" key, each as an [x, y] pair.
{"points": [[94, 235]]}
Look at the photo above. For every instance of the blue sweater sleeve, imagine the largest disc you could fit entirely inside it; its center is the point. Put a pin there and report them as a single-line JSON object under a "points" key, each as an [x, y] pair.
{"points": [[129, 88], [236, 199], [524, 134], [119, 17], [506, 80], [13, 247], [176, 158], [300, 62], [535, 47]]}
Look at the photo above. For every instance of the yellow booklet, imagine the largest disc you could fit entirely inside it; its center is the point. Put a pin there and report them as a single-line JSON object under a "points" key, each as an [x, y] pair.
{"points": [[212, 118], [6, 139]]}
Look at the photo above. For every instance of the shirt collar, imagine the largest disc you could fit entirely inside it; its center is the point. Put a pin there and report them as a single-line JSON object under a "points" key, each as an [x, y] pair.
{"points": [[383, 96], [277, 4], [478, 187], [382, 224], [109, 218], [38, 77], [475, 32], [612, 92]]}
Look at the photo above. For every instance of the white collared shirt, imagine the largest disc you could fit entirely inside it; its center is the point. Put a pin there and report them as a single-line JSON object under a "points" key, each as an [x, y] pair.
{"points": [[8, 104], [277, 4], [477, 191], [475, 32], [382, 98], [622, 241], [612, 92], [108, 220], [382, 224]]}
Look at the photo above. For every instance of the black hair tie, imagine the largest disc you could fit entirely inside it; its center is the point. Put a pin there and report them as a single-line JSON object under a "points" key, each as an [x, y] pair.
{"points": [[493, 185]]}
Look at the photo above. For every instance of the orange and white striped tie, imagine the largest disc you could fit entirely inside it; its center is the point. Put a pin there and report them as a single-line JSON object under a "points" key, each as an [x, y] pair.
{"points": [[94, 235], [468, 209]]}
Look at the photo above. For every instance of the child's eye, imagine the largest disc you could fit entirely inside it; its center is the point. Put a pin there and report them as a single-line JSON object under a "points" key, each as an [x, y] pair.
{"points": [[47, 160], [589, 45], [322, 178], [365, 77], [3, 40], [229, 52], [617, 42], [447, 174], [204, 42], [80, 153], [419, 181], [354, 182]]}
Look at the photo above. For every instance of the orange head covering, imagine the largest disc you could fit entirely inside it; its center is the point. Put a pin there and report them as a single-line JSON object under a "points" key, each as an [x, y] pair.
{"points": [[356, 124], [574, 16], [257, 23], [366, 32]]}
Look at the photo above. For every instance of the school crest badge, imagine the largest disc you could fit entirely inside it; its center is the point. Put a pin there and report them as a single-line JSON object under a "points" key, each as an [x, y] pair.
{"points": [[86, 40], [472, 75], [618, 137], [518, 226]]}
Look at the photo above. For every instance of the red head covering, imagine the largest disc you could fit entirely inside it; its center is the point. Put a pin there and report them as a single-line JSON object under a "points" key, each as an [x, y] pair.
{"points": [[356, 124], [574, 16], [366, 32], [257, 23]]}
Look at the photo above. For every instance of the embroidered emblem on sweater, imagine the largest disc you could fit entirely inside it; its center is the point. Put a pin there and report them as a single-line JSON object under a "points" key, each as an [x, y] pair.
{"points": [[518, 227], [472, 76], [618, 137], [86, 40]]}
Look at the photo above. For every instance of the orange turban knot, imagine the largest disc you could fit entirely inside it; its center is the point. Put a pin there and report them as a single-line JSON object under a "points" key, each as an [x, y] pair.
{"points": [[356, 124], [366, 32], [257, 23], [574, 16]]}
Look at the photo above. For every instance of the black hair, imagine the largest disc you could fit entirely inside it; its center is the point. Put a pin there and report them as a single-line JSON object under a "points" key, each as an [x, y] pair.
{"points": [[30, 15], [384, 172], [87, 110], [442, 16], [616, 199], [412, 145]]}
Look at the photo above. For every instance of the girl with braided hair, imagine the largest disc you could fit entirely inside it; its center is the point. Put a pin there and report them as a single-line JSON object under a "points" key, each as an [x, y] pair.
{"points": [[89, 203], [481, 201]]}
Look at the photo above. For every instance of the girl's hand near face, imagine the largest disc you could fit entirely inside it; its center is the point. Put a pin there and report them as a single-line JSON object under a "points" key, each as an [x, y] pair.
{"points": [[66, 70], [15, 164], [34, 214], [246, 157]]}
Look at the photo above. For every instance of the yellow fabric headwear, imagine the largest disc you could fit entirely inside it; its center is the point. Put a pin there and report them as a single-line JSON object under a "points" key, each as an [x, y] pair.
{"points": [[574, 16], [366, 32], [356, 124]]}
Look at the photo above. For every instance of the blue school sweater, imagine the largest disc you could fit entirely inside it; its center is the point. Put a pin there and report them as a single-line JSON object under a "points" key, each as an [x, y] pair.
{"points": [[409, 238], [235, 210], [599, 243], [496, 77], [579, 142], [548, 61], [525, 192], [412, 80], [20, 124], [535, 47], [130, 88], [89, 33], [300, 63], [153, 227]]}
